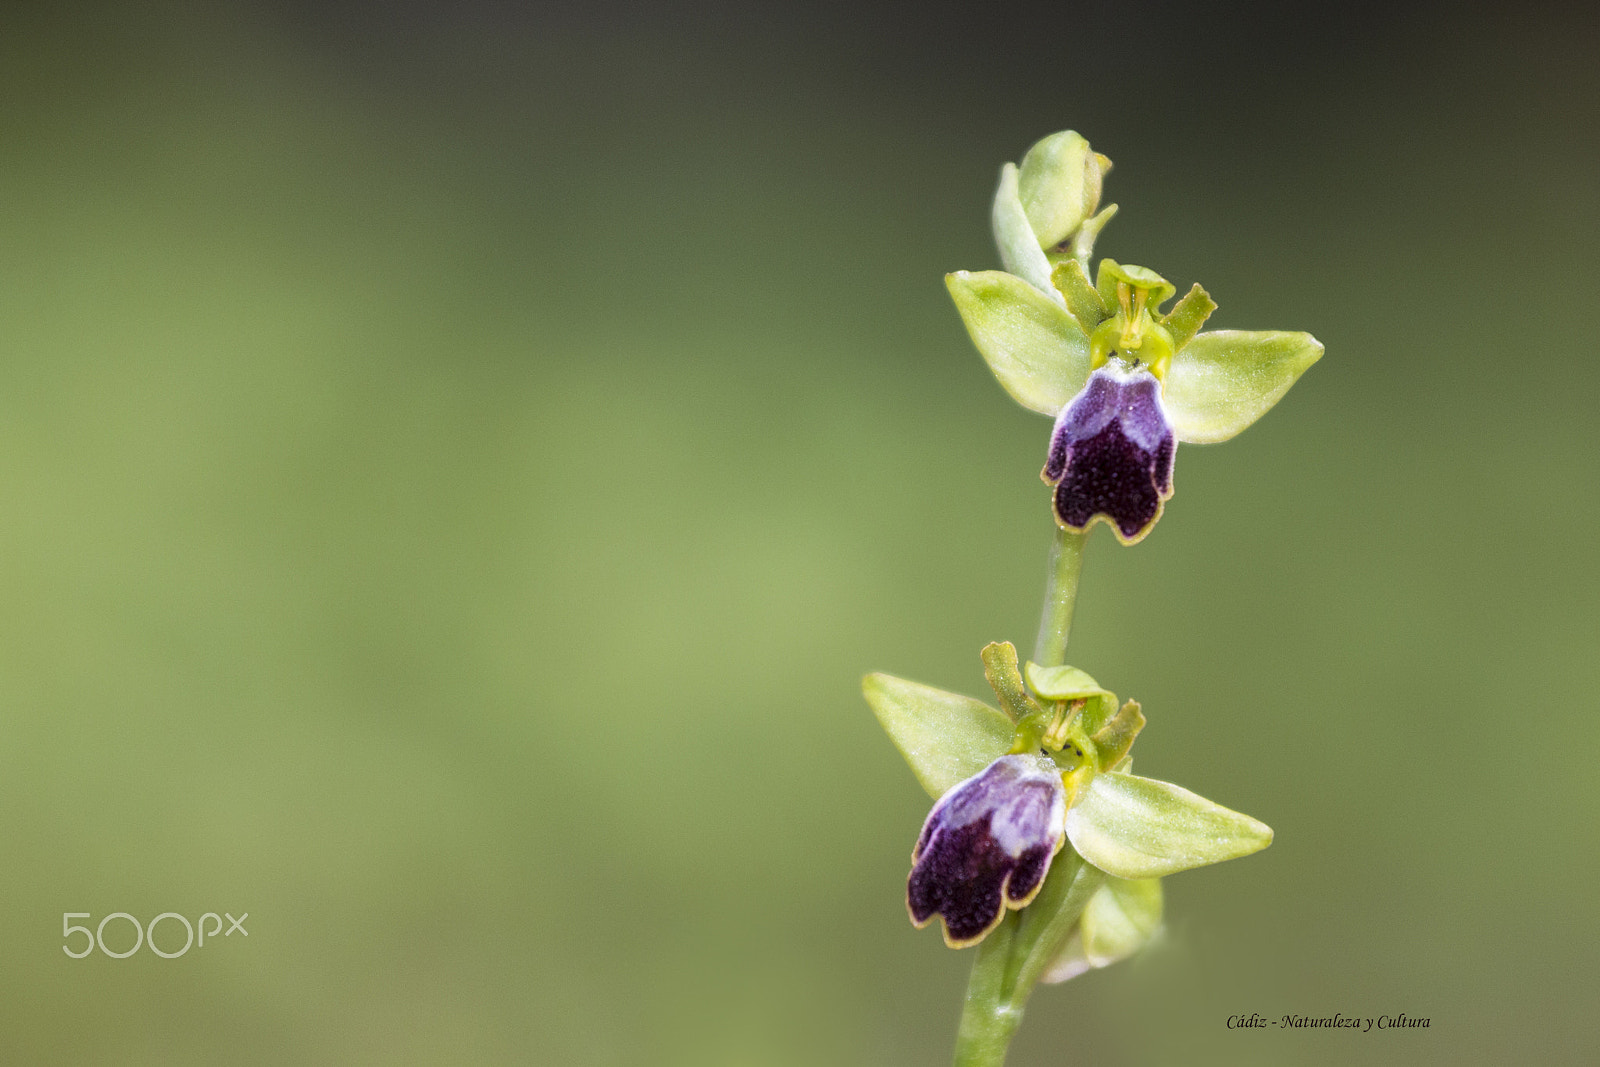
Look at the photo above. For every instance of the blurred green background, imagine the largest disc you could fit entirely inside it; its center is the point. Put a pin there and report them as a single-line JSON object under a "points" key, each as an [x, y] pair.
{"points": [[457, 461]]}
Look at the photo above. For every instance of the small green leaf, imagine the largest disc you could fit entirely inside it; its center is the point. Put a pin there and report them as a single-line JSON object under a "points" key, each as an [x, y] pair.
{"points": [[1188, 315], [1069, 683], [945, 737], [1020, 252], [1082, 299], [1133, 827], [1120, 919], [1224, 380], [1030, 343], [1059, 186], [1113, 740], [1000, 667]]}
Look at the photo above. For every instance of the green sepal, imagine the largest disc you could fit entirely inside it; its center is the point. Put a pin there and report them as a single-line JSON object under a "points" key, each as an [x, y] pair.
{"points": [[1033, 346], [1113, 740], [1059, 185], [1120, 918], [1083, 300], [1133, 827], [945, 737], [1020, 252], [1069, 683], [1188, 315], [1224, 380], [1000, 668]]}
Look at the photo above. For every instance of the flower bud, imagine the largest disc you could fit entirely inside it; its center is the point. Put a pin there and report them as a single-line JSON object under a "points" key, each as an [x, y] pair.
{"points": [[1059, 185]]}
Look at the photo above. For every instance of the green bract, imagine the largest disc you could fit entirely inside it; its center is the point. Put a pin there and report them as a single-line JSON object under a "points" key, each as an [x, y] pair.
{"points": [[1120, 918]]}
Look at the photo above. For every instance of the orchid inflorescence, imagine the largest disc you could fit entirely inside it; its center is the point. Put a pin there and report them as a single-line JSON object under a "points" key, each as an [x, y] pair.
{"points": [[1042, 844]]}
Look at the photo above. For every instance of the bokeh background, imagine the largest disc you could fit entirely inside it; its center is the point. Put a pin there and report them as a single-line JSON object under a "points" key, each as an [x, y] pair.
{"points": [[457, 461]]}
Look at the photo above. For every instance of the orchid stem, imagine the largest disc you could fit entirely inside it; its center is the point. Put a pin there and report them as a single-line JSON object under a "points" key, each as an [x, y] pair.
{"points": [[987, 1019], [1013, 956], [1060, 597]]}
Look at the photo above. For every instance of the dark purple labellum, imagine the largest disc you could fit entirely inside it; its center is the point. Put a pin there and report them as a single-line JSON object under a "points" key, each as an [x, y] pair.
{"points": [[987, 846], [1111, 453]]}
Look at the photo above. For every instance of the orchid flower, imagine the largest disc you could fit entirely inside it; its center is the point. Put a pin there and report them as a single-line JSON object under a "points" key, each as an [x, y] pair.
{"points": [[1124, 381], [1012, 786]]}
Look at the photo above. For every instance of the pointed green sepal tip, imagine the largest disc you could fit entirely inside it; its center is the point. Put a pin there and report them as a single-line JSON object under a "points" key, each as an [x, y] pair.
{"points": [[1224, 380], [945, 737], [1122, 917], [1133, 827], [1032, 345], [1069, 683], [1059, 185]]}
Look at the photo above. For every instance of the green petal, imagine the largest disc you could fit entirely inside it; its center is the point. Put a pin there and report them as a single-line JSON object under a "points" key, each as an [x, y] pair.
{"points": [[1031, 344], [1133, 827], [1059, 186], [1000, 668], [1120, 919], [1113, 740], [1019, 246], [945, 737], [1069, 683], [1224, 380], [1083, 300], [1188, 315]]}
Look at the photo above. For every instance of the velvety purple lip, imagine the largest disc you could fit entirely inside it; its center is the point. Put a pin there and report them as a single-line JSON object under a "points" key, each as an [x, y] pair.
{"points": [[1111, 453], [986, 846]]}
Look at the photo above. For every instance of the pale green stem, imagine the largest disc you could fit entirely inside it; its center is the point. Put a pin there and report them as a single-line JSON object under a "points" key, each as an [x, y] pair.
{"points": [[1060, 596], [987, 1020], [1011, 959]]}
